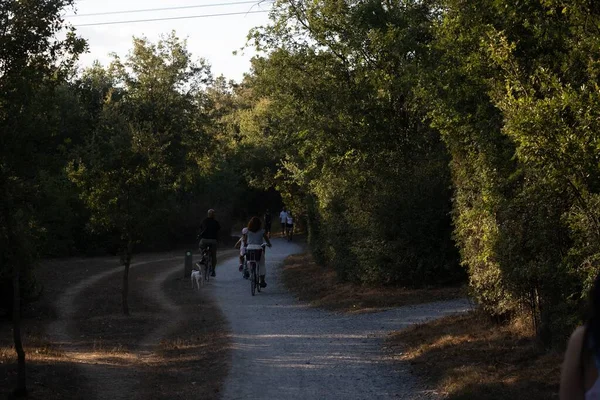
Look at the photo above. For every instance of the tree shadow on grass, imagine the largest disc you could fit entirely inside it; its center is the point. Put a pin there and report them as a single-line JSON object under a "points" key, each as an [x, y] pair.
{"points": [[57, 379]]}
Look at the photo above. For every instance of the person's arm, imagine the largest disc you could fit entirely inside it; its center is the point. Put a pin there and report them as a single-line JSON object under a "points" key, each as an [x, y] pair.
{"points": [[571, 381]]}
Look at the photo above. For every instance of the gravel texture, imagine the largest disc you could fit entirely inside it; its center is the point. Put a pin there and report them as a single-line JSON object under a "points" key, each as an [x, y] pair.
{"points": [[285, 350]]}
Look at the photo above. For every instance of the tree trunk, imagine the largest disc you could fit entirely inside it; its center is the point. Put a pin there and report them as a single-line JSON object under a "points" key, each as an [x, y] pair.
{"points": [[13, 242], [125, 292], [21, 389], [127, 263]]}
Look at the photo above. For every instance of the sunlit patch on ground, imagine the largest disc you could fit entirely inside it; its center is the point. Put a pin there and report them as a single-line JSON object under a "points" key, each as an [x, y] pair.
{"points": [[469, 357], [98, 341]]}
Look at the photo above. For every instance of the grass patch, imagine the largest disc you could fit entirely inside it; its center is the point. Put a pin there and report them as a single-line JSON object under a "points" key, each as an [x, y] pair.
{"points": [[50, 375], [469, 357], [177, 365], [320, 287], [192, 361]]}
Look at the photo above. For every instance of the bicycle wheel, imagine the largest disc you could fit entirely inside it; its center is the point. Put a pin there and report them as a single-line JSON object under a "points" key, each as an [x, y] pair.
{"points": [[258, 282], [253, 279]]}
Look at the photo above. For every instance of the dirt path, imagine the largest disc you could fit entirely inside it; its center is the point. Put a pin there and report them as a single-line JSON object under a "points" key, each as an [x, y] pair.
{"points": [[108, 379], [285, 350], [279, 348], [173, 333]]}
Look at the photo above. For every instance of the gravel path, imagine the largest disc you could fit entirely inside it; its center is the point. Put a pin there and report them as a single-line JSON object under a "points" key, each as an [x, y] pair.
{"points": [[285, 350]]}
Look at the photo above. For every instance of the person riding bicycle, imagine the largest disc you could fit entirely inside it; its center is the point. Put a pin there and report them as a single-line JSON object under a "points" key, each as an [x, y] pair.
{"points": [[256, 235], [208, 234]]}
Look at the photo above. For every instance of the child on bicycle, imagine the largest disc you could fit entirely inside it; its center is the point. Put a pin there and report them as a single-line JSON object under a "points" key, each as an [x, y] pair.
{"points": [[241, 244]]}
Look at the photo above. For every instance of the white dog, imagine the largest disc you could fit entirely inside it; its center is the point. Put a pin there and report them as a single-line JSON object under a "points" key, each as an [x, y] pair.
{"points": [[197, 276]]}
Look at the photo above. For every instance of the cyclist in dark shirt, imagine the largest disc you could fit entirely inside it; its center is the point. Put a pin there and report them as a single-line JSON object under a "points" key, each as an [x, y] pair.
{"points": [[209, 232]]}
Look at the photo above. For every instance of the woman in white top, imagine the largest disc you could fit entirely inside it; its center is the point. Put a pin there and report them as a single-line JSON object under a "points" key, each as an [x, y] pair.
{"points": [[256, 235], [580, 378], [241, 244]]}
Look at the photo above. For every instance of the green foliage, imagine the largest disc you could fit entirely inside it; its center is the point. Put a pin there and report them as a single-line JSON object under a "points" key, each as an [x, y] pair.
{"points": [[333, 103], [351, 97], [408, 137], [33, 62], [150, 146], [511, 88]]}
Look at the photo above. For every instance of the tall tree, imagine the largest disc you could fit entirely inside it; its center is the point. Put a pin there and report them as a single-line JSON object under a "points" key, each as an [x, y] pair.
{"points": [[120, 174], [509, 86], [32, 62], [335, 91], [147, 144]]}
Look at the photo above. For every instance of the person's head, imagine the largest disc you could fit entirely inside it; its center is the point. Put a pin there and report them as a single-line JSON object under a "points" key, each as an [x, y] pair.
{"points": [[254, 224], [245, 231], [211, 213], [267, 210]]}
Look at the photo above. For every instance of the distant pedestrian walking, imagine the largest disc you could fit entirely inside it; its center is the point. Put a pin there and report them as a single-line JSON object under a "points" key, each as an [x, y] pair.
{"points": [[283, 220]]}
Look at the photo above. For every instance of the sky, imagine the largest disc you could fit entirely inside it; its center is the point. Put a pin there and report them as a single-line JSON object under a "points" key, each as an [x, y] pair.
{"points": [[212, 38]]}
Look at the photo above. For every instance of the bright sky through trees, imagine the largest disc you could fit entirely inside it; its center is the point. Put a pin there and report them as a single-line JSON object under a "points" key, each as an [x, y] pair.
{"points": [[213, 38]]}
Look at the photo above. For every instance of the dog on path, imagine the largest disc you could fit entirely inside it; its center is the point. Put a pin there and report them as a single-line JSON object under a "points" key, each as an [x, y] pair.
{"points": [[197, 277]]}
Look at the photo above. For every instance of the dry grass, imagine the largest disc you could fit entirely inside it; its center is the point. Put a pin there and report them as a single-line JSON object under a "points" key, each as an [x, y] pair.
{"points": [[191, 361], [109, 340], [319, 286], [50, 375], [469, 357]]}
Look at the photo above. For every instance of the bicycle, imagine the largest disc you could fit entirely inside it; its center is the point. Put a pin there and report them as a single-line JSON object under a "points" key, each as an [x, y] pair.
{"points": [[245, 273], [254, 278]]}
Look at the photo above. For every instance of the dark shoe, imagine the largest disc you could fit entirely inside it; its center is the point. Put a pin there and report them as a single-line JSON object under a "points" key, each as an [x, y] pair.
{"points": [[263, 284], [213, 273], [241, 268], [246, 274]]}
